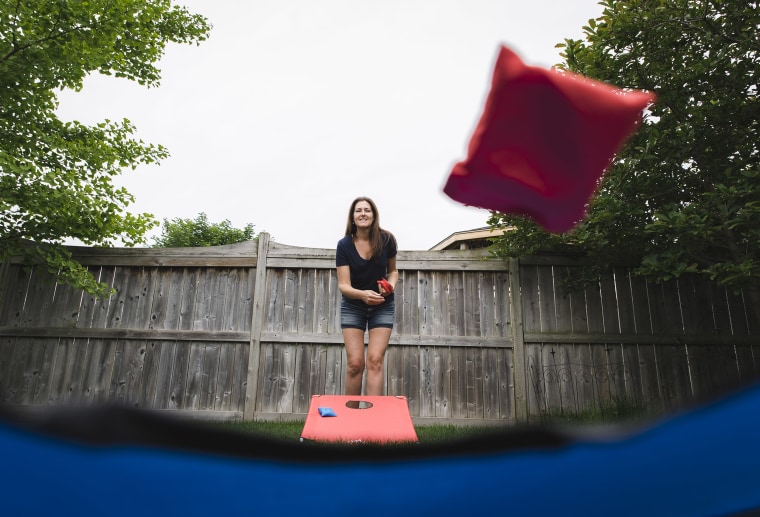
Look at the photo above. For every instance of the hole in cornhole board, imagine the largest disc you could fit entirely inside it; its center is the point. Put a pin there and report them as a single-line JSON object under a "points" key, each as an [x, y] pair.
{"points": [[358, 404], [370, 419]]}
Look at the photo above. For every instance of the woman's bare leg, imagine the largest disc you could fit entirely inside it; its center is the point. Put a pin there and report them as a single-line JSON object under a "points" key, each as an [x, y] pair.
{"points": [[354, 341], [378, 344]]}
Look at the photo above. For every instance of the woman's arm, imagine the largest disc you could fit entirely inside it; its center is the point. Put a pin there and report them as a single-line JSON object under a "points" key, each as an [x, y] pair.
{"points": [[392, 272]]}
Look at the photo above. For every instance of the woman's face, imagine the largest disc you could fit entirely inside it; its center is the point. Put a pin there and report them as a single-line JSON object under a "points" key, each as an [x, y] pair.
{"points": [[363, 215]]}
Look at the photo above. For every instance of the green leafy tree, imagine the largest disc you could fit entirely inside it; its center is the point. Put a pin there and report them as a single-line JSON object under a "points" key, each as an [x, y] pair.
{"points": [[684, 194], [181, 233], [56, 177]]}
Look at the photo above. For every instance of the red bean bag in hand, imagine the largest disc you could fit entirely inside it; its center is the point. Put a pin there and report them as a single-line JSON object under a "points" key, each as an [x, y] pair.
{"points": [[543, 142]]}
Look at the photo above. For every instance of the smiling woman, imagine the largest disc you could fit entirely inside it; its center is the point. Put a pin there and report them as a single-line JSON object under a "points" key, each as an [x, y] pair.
{"points": [[366, 262]]}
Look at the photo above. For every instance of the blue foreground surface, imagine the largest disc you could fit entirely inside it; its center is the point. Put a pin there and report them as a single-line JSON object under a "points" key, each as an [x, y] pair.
{"points": [[703, 462]]}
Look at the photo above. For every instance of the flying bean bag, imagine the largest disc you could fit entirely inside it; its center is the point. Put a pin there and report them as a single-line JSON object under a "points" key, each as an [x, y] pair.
{"points": [[543, 142]]}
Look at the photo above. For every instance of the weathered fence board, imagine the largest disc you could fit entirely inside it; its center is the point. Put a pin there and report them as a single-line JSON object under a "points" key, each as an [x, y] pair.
{"points": [[426, 391], [441, 387], [307, 369], [253, 330], [747, 362]]}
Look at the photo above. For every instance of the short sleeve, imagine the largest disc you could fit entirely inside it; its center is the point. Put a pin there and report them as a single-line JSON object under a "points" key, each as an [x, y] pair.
{"points": [[391, 248], [341, 257]]}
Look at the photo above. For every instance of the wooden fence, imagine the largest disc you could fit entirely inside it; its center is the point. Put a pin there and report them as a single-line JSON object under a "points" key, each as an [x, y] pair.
{"points": [[252, 331]]}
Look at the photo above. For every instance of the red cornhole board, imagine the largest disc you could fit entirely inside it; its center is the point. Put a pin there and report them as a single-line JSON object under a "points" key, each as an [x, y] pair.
{"points": [[387, 420]]}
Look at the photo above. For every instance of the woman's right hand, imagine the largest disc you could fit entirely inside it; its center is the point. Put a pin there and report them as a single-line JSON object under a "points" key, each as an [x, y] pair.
{"points": [[372, 298]]}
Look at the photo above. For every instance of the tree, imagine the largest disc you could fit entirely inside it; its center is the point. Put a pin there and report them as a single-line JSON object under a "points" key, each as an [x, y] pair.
{"points": [[56, 177], [180, 233], [683, 195]]}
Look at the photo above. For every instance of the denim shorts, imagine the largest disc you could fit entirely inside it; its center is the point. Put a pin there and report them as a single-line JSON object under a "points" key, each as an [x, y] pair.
{"points": [[356, 316]]}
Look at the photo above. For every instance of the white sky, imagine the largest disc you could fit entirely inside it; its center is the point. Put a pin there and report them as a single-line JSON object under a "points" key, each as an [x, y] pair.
{"points": [[292, 108]]}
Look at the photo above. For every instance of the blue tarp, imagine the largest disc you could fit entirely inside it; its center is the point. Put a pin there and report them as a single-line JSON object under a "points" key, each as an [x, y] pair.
{"points": [[702, 462]]}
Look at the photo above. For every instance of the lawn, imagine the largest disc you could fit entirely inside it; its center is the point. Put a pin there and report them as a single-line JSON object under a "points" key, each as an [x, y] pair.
{"points": [[617, 412], [292, 431]]}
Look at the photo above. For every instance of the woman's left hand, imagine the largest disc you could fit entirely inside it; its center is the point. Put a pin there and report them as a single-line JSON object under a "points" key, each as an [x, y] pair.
{"points": [[385, 287]]}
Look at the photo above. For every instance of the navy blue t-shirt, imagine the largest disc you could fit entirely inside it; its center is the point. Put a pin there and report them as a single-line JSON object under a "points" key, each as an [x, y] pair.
{"points": [[365, 273]]}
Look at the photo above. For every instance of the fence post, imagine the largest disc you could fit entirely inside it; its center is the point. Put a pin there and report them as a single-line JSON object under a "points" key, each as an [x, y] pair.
{"points": [[518, 350], [257, 322]]}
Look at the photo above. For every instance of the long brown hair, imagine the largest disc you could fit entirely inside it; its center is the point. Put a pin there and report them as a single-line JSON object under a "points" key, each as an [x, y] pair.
{"points": [[377, 236]]}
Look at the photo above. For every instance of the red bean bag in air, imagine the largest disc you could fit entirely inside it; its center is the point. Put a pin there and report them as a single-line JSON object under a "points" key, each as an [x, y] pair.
{"points": [[543, 142]]}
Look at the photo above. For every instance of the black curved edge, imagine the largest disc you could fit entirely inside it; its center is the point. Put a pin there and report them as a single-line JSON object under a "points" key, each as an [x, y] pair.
{"points": [[109, 426]]}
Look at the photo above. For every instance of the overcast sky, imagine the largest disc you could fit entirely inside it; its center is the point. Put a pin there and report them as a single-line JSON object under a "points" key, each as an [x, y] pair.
{"points": [[292, 108]]}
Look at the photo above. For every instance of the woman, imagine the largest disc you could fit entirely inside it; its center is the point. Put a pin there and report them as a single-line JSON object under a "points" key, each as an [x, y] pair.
{"points": [[366, 255]]}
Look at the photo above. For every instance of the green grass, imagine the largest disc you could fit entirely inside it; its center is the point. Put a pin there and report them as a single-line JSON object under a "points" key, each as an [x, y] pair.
{"points": [[615, 411], [291, 431]]}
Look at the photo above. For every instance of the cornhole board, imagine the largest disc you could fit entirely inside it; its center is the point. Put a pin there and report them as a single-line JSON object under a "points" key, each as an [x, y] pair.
{"points": [[378, 419]]}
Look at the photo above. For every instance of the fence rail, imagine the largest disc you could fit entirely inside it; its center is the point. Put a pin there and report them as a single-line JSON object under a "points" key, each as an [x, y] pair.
{"points": [[252, 331]]}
